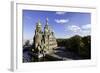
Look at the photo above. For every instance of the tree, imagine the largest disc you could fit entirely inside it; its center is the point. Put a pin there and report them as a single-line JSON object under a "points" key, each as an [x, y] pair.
{"points": [[78, 45], [87, 47], [27, 43], [75, 43]]}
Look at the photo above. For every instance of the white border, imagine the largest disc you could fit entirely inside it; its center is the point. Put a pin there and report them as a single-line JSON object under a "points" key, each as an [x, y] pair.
{"points": [[17, 37]]}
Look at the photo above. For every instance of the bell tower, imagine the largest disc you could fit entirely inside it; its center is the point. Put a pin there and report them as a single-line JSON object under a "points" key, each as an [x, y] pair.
{"points": [[38, 34]]}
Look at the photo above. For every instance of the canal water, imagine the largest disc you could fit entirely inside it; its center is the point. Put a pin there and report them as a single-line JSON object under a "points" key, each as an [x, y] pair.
{"points": [[29, 58], [61, 52]]}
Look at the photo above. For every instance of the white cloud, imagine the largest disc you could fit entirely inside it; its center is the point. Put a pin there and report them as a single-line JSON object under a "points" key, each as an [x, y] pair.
{"points": [[60, 12], [86, 27], [85, 32], [74, 28], [61, 21]]}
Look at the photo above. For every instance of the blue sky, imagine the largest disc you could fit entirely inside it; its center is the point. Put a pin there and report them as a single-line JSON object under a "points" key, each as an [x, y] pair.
{"points": [[64, 24]]}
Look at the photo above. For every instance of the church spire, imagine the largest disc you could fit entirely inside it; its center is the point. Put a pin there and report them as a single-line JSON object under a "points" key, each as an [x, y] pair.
{"points": [[38, 23], [46, 21]]}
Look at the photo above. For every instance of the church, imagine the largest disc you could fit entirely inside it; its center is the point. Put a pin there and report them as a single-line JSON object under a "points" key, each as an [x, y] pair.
{"points": [[44, 41]]}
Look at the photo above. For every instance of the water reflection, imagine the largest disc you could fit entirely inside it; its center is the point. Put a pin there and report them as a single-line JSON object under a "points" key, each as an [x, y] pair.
{"points": [[27, 57], [59, 54]]}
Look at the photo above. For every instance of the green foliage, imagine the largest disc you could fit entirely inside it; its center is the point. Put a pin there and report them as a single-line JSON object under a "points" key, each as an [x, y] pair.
{"points": [[77, 44], [87, 47]]}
